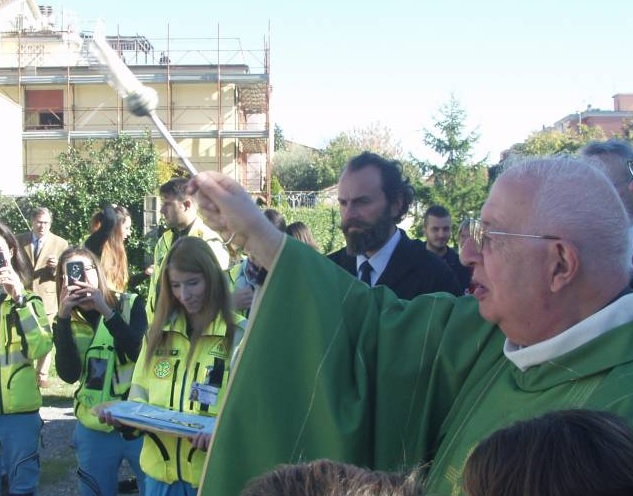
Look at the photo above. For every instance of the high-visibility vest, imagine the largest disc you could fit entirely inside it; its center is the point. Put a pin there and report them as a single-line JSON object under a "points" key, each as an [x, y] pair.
{"points": [[105, 375]]}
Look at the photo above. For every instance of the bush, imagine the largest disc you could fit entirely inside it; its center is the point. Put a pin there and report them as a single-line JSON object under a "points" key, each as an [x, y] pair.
{"points": [[122, 171], [324, 223]]}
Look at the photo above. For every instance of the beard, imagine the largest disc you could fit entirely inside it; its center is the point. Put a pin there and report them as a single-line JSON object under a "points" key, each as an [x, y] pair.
{"points": [[369, 237]]}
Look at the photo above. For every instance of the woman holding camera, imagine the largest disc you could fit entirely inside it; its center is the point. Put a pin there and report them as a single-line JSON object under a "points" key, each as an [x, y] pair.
{"points": [[25, 337], [184, 363], [97, 336]]}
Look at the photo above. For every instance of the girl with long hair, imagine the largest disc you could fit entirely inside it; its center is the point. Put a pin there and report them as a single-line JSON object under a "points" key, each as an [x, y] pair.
{"points": [[25, 337], [185, 360], [113, 224], [97, 336]]}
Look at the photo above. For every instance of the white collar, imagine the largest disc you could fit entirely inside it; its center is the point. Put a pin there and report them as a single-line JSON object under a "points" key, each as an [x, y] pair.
{"points": [[613, 315], [380, 259]]}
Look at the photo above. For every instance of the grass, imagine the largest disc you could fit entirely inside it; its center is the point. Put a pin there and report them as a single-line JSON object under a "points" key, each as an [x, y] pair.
{"points": [[59, 393], [58, 458]]}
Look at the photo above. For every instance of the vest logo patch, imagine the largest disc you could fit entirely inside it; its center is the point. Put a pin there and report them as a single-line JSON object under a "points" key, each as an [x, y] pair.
{"points": [[162, 369]]}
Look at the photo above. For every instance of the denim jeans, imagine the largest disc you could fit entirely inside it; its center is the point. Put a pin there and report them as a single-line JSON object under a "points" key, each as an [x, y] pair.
{"points": [[99, 455], [158, 488], [19, 446]]}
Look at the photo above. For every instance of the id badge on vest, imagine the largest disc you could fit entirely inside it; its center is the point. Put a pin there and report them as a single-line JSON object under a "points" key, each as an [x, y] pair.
{"points": [[206, 393]]}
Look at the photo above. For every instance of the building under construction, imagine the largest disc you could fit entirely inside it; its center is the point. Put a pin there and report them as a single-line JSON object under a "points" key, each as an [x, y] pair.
{"points": [[214, 96]]}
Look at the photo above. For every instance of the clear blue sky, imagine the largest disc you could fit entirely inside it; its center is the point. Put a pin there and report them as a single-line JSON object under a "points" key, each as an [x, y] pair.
{"points": [[515, 65]]}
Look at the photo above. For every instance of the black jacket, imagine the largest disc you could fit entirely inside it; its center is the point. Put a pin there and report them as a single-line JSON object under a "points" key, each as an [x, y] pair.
{"points": [[411, 270]]}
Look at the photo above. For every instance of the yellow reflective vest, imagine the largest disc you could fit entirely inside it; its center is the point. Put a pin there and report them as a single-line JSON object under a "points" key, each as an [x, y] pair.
{"points": [[105, 375], [24, 337], [170, 380]]}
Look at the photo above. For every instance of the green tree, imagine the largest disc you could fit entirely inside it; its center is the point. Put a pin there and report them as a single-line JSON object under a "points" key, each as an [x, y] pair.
{"points": [[459, 183], [14, 213], [324, 222], [279, 140], [375, 138], [552, 141], [627, 130], [121, 171], [297, 169]]}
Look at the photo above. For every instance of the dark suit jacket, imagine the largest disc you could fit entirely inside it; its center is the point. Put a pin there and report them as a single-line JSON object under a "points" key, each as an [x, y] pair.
{"points": [[412, 270], [462, 273]]}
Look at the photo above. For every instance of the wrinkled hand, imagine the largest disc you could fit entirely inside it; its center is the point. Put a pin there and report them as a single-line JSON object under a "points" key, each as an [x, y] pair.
{"points": [[51, 263], [227, 208], [201, 441]]}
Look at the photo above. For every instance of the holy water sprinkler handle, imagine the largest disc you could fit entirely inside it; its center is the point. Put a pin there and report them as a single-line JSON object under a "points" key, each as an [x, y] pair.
{"points": [[140, 100]]}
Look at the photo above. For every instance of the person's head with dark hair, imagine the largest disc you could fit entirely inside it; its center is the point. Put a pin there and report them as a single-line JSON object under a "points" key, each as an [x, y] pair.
{"points": [[176, 187], [41, 220], [302, 232], [254, 272], [437, 225], [177, 207], [329, 478], [562, 453], [373, 197], [615, 158], [14, 256], [435, 211], [275, 218]]}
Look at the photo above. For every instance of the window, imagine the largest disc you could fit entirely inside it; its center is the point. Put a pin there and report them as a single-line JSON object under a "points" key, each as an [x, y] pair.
{"points": [[44, 109]]}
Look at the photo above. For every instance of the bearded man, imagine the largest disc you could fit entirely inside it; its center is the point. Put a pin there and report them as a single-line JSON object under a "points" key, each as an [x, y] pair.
{"points": [[373, 197]]}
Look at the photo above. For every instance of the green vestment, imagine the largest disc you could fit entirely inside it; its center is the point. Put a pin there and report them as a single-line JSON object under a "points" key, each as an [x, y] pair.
{"points": [[333, 369]]}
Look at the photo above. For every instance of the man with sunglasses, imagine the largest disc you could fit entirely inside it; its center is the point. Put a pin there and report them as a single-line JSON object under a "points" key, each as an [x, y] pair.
{"points": [[363, 377]]}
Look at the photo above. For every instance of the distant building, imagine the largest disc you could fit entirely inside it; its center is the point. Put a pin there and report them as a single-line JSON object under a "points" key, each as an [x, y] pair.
{"points": [[12, 172], [214, 99], [611, 121]]}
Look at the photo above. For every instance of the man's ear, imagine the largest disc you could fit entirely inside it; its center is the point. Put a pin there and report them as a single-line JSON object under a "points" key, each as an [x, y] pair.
{"points": [[187, 203], [565, 264]]}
